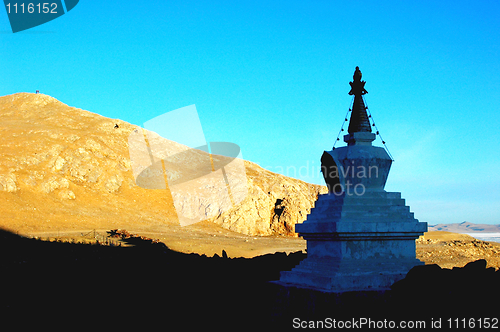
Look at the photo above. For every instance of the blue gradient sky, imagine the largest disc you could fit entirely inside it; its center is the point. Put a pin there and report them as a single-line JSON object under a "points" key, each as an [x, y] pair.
{"points": [[272, 76]]}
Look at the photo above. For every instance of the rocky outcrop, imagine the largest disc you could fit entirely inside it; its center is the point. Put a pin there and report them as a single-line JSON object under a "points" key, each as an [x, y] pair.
{"points": [[456, 252], [65, 168], [275, 203], [8, 182]]}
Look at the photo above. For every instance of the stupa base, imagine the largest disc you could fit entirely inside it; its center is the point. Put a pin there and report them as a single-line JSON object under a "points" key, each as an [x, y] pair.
{"points": [[357, 243], [356, 275]]}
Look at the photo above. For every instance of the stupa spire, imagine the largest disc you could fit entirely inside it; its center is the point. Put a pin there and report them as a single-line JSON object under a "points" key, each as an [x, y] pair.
{"points": [[360, 130], [359, 118]]}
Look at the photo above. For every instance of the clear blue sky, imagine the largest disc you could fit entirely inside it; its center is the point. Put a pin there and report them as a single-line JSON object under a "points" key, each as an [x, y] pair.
{"points": [[272, 77]]}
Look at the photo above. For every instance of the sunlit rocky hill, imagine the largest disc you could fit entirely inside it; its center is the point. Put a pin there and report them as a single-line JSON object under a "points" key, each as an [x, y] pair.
{"points": [[64, 168]]}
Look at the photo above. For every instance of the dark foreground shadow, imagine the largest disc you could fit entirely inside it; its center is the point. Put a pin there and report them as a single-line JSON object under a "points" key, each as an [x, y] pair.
{"points": [[149, 284]]}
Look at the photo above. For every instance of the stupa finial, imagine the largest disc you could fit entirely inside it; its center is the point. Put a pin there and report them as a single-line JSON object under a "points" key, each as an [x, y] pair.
{"points": [[359, 118], [357, 85]]}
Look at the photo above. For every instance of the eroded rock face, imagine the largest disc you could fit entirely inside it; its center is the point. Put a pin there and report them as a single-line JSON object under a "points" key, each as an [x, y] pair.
{"points": [[274, 205], [73, 168], [8, 182]]}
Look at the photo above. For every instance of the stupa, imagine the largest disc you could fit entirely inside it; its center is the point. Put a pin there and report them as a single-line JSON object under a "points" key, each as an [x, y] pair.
{"points": [[359, 236]]}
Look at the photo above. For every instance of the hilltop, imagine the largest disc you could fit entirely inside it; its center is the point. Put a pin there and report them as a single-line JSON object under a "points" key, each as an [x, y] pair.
{"points": [[64, 169]]}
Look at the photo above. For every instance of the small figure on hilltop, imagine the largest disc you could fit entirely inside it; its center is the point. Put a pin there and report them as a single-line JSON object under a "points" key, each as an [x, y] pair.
{"points": [[37, 92]]}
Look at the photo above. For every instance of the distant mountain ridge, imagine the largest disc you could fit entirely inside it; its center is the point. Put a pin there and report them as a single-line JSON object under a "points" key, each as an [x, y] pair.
{"points": [[466, 227]]}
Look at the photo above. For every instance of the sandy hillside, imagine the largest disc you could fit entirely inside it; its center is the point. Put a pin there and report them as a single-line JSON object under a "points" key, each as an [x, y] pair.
{"points": [[66, 169]]}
